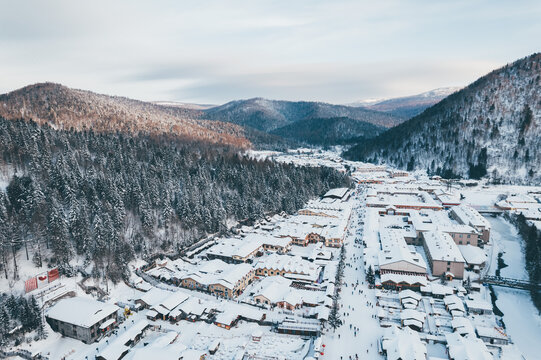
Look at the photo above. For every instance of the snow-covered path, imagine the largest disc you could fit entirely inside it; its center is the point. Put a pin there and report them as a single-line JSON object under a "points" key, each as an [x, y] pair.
{"points": [[358, 310], [521, 317]]}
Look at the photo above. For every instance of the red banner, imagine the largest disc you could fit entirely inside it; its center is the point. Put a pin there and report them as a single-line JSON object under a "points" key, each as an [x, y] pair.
{"points": [[53, 274], [30, 284]]}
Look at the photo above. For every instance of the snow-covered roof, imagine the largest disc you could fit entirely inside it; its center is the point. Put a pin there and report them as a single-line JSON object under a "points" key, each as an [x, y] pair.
{"points": [[119, 346], [473, 255], [466, 348], [404, 294], [403, 278], [462, 325], [478, 304], [273, 288], [163, 348], [323, 313], [192, 306], [395, 249], [468, 215], [234, 274], [403, 344], [80, 311], [155, 296], [492, 332], [402, 198], [338, 192], [454, 303], [407, 314], [437, 289], [449, 199], [442, 247], [289, 264], [304, 325], [151, 313], [232, 247], [174, 300]]}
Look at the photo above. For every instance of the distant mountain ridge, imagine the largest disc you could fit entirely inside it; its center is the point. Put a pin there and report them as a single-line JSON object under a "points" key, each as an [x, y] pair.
{"points": [[268, 115], [490, 128], [242, 123], [65, 108], [191, 106], [313, 123], [408, 106]]}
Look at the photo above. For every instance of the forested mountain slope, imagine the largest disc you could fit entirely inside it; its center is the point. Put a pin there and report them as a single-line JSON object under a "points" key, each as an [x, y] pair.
{"points": [[268, 115], [109, 196], [331, 131], [492, 127], [65, 108]]}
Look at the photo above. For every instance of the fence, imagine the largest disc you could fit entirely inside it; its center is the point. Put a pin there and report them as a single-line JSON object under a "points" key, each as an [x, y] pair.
{"points": [[25, 354]]}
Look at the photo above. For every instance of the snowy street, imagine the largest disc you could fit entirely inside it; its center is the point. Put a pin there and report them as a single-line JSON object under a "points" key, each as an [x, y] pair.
{"points": [[360, 332]]}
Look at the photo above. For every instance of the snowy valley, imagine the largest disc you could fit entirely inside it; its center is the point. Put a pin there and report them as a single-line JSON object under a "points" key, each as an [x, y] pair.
{"points": [[400, 263]]}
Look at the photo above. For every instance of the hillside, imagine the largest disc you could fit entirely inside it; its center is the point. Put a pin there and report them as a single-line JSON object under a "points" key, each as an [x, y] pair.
{"points": [[110, 197], [328, 131], [492, 127], [65, 108], [268, 115]]}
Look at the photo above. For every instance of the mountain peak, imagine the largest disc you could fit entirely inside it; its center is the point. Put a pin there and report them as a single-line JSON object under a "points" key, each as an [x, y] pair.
{"points": [[407, 106]]}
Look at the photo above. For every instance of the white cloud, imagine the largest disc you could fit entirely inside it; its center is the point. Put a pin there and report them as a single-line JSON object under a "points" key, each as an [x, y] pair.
{"points": [[214, 51]]}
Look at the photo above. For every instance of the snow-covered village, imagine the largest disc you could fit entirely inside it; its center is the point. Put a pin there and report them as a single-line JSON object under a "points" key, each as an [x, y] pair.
{"points": [[399, 266], [270, 180]]}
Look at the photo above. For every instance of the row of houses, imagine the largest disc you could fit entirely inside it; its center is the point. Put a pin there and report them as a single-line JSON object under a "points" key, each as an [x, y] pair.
{"points": [[215, 276], [230, 280]]}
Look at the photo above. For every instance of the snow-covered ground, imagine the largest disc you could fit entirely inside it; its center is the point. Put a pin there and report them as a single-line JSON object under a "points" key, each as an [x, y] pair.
{"points": [[361, 332], [521, 318]]}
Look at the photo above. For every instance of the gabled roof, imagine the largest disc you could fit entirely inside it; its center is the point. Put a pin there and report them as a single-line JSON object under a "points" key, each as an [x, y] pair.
{"points": [[404, 294]]}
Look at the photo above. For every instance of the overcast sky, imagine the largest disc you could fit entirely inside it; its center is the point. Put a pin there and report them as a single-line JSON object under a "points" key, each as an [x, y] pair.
{"points": [[215, 51]]}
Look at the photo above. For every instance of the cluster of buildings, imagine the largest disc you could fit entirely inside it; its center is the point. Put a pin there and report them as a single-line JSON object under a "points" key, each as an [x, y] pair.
{"points": [[529, 205], [419, 238], [297, 248], [278, 273], [425, 246]]}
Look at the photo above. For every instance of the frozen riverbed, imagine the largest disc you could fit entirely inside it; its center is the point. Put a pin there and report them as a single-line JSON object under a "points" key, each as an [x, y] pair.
{"points": [[521, 318]]}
